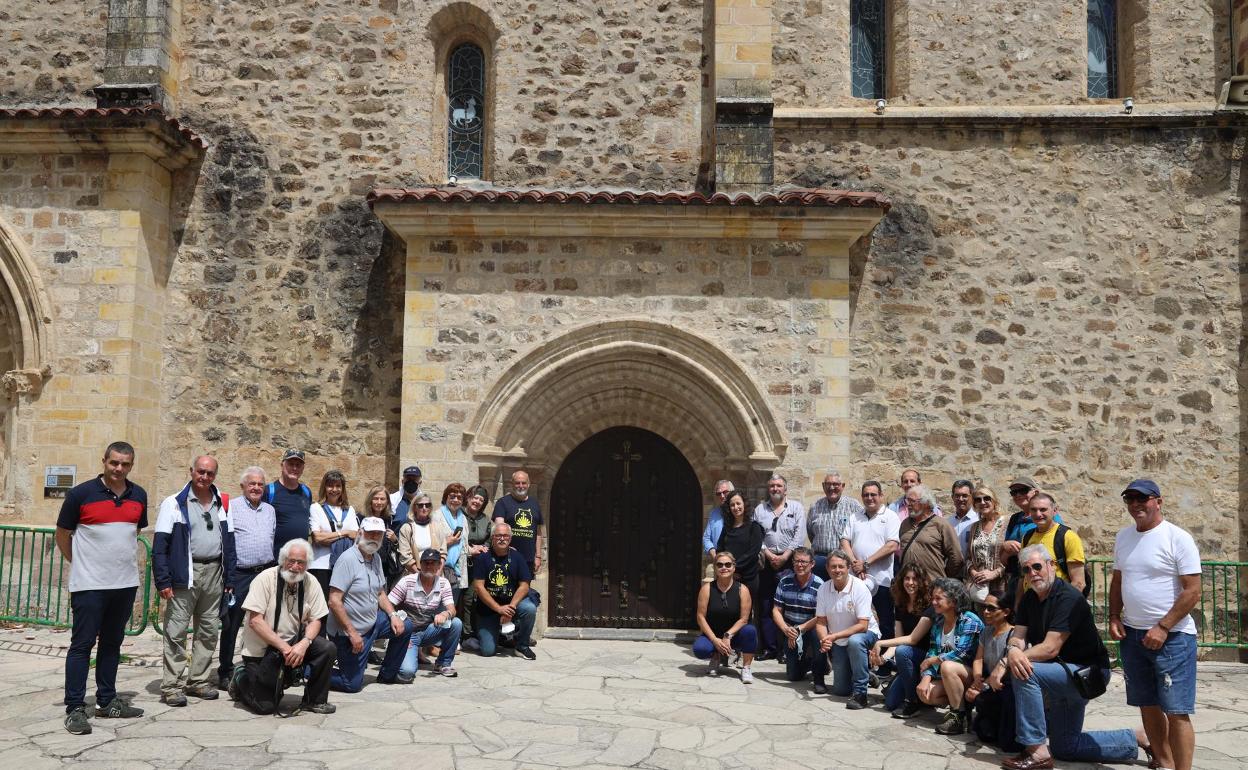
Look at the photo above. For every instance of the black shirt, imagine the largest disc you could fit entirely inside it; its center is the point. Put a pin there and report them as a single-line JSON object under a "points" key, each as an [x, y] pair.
{"points": [[908, 621], [744, 543], [502, 575], [1064, 610], [723, 609]]}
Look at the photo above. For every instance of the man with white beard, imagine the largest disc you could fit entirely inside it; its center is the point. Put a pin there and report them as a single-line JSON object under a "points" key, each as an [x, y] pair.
{"points": [[361, 613], [281, 602]]}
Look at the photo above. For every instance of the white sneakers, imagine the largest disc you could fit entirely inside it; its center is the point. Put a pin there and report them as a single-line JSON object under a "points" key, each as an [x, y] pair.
{"points": [[747, 677], [712, 668]]}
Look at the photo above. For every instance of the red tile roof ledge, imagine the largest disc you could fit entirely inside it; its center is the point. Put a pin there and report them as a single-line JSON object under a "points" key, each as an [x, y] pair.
{"points": [[791, 197], [104, 113]]}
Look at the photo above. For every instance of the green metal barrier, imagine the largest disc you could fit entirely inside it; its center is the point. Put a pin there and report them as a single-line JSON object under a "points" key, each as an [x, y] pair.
{"points": [[1219, 616], [34, 580]]}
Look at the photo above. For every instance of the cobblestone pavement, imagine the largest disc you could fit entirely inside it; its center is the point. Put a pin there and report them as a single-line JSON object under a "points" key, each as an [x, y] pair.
{"points": [[580, 704]]}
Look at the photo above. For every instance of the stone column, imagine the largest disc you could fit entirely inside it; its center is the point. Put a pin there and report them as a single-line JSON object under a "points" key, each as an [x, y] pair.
{"points": [[743, 101], [1239, 34], [140, 55]]}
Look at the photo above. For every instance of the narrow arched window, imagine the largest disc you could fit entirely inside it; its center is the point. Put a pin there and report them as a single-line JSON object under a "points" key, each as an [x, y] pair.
{"points": [[1102, 49], [866, 48], [465, 92]]}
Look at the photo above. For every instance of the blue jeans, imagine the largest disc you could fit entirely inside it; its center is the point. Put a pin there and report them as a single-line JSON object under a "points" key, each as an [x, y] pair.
{"points": [[1165, 678], [907, 659], [349, 675], [102, 616], [849, 664], [489, 626], [745, 640], [447, 639], [1047, 706], [797, 666]]}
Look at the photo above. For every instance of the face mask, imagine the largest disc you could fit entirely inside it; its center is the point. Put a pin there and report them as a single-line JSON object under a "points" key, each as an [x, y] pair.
{"points": [[369, 547], [290, 576], [410, 487]]}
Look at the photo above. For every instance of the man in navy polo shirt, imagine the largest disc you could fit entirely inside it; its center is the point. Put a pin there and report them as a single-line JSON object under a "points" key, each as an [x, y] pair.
{"points": [[97, 533], [291, 501]]}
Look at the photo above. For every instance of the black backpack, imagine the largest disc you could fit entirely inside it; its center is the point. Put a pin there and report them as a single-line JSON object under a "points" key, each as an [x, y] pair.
{"points": [[1059, 556]]}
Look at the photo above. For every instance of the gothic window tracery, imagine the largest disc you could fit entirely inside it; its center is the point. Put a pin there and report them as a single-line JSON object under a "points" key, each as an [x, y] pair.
{"points": [[866, 48], [465, 90], [1102, 49]]}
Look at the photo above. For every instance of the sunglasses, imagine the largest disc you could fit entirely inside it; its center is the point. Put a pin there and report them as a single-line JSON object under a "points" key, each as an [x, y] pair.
{"points": [[1136, 497], [424, 505], [991, 608], [724, 565], [208, 520], [1034, 567], [1019, 491], [983, 499]]}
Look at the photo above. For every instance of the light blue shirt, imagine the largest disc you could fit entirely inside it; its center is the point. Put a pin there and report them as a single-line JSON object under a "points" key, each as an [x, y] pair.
{"points": [[963, 528], [714, 528]]}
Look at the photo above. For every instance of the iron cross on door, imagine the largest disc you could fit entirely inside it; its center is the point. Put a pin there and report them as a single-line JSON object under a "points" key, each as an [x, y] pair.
{"points": [[628, 457]]}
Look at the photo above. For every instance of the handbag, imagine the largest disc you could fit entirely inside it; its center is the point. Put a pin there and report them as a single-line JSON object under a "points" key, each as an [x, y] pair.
{"points": [[1089, 681]]}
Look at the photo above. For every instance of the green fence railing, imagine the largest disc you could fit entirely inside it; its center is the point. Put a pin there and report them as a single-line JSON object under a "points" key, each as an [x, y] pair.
{"points": [[34, 580], [1219, 616]]}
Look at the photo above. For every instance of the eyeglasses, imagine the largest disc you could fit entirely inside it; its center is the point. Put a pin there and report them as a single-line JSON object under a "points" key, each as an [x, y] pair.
{"points": [[1136, 497], [865, 495], [723, 493], [1016, 491], [801, 563], [984, 499], [208, 520], [424, 505], [1037, 567], [991, 608], [724, 565]]}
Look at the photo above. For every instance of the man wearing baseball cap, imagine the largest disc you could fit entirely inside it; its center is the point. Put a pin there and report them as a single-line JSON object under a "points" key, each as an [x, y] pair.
{"points": [[401, 499], [427, 598], [291, 501], [1156, 583], [1022, 489], [360, 612]]}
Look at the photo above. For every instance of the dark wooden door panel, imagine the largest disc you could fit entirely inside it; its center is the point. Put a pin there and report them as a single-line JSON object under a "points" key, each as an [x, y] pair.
{"points": [[626, 529]]}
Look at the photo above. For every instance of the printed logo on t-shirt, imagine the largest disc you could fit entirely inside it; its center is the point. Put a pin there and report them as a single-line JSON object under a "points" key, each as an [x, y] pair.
{"points": [[524, 523], [497, 582]]}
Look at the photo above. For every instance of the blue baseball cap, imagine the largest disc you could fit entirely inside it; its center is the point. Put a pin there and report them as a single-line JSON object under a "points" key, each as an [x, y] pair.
{"points": [[1144, 487], [411, 470]]}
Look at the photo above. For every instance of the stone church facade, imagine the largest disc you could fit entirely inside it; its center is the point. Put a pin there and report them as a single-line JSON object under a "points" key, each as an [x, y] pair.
{"points": [[233, 228]]}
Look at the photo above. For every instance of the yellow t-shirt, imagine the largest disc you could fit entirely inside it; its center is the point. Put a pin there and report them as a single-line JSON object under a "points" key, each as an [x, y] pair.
{"points": [[1074, 550]]}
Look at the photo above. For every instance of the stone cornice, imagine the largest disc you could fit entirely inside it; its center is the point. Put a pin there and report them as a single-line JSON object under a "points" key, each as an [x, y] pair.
{"points": [[428, 219], [145, 131], [1104, 117]]}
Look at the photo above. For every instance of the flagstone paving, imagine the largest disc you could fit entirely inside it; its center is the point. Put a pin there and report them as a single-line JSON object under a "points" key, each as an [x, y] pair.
{"points": [[581, 704]]}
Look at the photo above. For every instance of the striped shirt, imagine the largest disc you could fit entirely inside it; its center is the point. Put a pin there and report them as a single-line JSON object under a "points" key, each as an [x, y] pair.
{"points": [[253, 532], [797, 603], [105, 539]]}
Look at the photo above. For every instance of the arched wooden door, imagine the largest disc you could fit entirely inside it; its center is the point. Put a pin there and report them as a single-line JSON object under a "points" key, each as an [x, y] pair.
{"points": [[626, 519]]}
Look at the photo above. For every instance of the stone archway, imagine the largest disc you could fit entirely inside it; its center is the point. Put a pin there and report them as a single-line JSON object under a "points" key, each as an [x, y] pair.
{"points": [[25, 330], [627, 372]]}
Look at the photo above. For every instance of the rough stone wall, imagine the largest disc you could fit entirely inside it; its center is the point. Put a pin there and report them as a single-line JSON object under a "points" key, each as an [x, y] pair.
{"points": [[51, 52], [1056, 303], [953, 52], [293, 290]]}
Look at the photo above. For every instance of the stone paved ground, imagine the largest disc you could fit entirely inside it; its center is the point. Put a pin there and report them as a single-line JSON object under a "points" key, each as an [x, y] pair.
{"points": [[580, 704]]}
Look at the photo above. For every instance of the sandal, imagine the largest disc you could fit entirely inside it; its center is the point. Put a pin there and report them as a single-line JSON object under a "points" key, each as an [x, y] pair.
{"points": [[1153, 764]]}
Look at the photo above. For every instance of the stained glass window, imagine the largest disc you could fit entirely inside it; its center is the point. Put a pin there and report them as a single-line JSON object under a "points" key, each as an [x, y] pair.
{"points": [[1102, 49], [866, 48], [465, 135]]}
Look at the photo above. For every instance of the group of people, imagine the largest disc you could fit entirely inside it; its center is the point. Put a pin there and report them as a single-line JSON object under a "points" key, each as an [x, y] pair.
{"points": [[986, 614], [983, 613], [311, 583]]}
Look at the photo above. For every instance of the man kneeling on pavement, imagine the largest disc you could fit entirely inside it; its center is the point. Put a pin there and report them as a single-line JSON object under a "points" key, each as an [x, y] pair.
{"points": [[285, 609]]}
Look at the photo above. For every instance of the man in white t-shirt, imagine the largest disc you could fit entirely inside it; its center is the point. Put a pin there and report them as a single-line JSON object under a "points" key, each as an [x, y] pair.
{"points": [[1156, 583], [847, 629], [871, 539]]}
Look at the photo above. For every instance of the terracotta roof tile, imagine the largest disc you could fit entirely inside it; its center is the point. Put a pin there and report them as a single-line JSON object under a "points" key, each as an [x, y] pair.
{"points": [[800, 197], [105, 113]]}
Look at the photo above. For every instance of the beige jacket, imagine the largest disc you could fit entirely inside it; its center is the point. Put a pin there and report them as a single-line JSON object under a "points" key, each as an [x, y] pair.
{"points": [[409, 552]]}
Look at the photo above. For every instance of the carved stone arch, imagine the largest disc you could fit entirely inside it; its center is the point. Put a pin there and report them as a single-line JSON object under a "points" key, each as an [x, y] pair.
{"points": [[30, 317], [628, 372], [453, 25]]}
